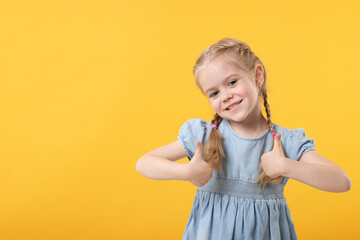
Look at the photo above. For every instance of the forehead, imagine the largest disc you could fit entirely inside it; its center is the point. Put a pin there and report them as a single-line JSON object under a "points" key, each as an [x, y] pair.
{"points": [[216, 71]]}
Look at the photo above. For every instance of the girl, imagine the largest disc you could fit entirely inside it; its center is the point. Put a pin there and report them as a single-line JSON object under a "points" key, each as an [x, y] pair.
{"points": [[247, 159]]}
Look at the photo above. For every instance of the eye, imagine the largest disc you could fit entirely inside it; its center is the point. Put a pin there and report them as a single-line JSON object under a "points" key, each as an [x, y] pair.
{"points": [[212, 95], [234, 81]]}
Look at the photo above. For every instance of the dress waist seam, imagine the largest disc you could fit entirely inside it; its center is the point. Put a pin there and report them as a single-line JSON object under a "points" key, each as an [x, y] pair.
{"points": [[239, 188]]}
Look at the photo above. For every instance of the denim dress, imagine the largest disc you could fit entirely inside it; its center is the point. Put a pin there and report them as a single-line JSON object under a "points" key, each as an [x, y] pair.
{"points": [[231, 206]]}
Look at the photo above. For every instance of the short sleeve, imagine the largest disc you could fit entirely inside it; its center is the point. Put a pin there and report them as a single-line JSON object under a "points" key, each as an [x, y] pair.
{"points": [[299, 144], [191, 131]]}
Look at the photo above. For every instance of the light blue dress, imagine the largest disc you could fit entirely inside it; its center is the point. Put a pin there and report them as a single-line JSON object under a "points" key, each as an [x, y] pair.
{"points": [[231, 205]]}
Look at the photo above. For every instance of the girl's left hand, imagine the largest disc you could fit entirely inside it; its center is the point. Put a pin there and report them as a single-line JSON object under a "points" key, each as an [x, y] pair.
{"points": [[274, 162]]}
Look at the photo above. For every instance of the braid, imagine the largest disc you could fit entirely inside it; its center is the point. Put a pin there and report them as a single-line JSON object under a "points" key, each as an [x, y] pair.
{"points": [[263, 178], [268, 114], [213, 150], [216, 119], [242, 49]]}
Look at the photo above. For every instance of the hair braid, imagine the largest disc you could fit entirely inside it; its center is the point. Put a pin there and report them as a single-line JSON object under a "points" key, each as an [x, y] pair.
{"points": [[213, 150], [263, 178], [267, 110]]}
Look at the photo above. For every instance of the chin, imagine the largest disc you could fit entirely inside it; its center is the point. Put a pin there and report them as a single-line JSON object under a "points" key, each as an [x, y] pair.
{"points": [[237, 119]]}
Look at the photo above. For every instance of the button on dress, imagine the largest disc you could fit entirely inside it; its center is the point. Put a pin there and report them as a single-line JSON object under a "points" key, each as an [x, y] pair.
{"points": [[231, 206]]}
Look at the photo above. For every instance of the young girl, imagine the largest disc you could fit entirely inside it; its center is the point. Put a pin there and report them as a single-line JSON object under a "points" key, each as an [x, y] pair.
{"points": [[247, 159]]}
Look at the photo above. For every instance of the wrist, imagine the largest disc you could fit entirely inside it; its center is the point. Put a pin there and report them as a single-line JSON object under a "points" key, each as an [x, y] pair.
{"points": [[184, 172], [287, 167]]}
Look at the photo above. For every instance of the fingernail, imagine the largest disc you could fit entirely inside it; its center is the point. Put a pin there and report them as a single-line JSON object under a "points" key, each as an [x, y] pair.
{"points": [[273, 134]]}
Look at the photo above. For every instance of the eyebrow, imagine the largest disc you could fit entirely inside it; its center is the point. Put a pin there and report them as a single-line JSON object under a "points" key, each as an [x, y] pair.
{"points": [[206, 92]]}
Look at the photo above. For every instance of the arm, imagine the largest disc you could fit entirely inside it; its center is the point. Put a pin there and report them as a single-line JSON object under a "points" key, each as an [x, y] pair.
{"points": [[160, 164], [318, 172]]}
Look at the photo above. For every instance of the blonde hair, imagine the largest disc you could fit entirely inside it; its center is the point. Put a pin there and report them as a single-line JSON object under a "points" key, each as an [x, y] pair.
{"points": [[240, 54]]}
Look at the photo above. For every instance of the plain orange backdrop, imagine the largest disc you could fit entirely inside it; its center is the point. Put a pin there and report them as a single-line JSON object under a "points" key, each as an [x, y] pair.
{"points": [[88, 87]]}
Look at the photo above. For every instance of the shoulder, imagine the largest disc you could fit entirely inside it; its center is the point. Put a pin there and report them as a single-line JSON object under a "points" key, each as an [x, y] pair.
{"points": [[289, 134], [295, 141], [193, 126], [191, 131]]}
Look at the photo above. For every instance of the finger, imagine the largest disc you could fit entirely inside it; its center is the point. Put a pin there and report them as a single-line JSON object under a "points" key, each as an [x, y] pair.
{"points": [[281, 149], [199, 148], [277, 141]]}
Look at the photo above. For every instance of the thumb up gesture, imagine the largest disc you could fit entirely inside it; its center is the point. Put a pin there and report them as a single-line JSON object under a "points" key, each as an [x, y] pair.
{"points": [[273, 162], [198, 171]]}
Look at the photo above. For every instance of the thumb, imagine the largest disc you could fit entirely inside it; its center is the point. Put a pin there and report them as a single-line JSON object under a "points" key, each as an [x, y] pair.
{"points": [[199, 148], [277, 142]]}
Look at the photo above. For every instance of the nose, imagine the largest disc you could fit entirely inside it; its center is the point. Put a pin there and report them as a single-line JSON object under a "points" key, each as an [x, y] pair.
{"points": [[227, 95]]}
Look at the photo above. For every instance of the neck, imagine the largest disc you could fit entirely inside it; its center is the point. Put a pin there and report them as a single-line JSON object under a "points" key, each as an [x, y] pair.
{"points": [[251, 127]]}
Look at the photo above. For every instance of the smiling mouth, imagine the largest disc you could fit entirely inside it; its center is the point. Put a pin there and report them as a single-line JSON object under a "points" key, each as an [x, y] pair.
{"points": [[235, 105]]}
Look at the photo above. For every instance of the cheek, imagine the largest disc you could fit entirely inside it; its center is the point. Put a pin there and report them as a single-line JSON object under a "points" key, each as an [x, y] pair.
{"points": [[215, 105], [241, 89], [247, 92]]}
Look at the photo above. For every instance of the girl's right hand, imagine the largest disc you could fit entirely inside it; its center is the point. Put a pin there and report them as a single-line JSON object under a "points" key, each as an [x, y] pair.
{"points": [[198, 171]]}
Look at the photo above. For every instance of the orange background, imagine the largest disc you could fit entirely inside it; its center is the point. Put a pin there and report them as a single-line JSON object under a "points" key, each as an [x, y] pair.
{"points": [[88, 87]]}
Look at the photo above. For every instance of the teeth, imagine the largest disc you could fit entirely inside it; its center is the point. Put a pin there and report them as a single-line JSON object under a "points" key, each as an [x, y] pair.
{"points": [[233, 106]]}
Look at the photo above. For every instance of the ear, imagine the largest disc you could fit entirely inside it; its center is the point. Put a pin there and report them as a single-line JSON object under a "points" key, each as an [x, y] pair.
{"points": [[259, 75]]}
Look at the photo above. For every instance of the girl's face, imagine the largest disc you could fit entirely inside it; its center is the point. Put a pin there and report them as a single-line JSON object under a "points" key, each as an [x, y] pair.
{"points": [[232, 92]]}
